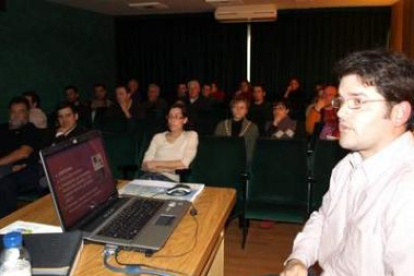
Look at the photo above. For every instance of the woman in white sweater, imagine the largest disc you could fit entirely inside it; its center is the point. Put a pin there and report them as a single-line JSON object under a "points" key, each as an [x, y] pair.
{"points": [[171, 150]]}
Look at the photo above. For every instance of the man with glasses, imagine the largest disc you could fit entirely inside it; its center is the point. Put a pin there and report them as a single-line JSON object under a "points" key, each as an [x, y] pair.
{"points": [[365, 225]]}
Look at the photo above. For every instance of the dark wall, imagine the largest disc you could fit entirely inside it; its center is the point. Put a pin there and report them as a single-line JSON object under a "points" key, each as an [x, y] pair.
{"points": [[46, 46], [177, 48], [302, 43], [307, 43]]}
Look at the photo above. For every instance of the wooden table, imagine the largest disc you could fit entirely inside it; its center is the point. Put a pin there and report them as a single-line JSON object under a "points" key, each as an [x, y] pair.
{"points": [[207, 258]]}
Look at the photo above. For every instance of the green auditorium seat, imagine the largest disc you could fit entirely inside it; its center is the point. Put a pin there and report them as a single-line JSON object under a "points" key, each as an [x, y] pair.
{"points": [[324, 157], [221, 162], [278, 184], [116, 125], [122, 150]]}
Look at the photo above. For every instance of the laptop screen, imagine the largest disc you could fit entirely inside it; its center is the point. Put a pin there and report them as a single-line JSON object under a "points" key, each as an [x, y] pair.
{"points": [[79, 176]]}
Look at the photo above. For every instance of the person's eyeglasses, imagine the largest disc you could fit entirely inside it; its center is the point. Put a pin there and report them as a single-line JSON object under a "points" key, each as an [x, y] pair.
{"points": [[174, 118], [352, 103]]}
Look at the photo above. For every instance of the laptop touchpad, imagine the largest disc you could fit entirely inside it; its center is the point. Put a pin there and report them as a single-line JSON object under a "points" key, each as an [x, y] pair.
{"points": [[165, 220]]}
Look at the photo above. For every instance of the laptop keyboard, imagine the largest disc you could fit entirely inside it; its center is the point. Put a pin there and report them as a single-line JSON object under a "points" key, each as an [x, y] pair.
{"points": [[132, 219]]}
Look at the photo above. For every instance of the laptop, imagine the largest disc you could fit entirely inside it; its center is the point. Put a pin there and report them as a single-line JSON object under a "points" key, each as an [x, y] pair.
{"points": [[86, 198]]}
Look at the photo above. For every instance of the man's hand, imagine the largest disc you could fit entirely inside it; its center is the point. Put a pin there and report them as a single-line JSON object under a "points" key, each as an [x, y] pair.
{"points": [[322, 103], [295, 268], [278, 119], [125, 109]]}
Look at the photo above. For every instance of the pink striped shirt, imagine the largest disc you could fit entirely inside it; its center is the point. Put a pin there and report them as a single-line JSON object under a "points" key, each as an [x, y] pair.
{"points": [[365, 226]]}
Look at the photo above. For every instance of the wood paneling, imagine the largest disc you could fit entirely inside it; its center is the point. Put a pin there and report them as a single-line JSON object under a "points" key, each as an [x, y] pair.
{"points": [[396, 32], [402, 27]]}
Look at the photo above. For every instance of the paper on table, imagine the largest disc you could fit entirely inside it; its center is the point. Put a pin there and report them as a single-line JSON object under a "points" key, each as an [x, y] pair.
{"points": [[26, 227], [157, 189]]}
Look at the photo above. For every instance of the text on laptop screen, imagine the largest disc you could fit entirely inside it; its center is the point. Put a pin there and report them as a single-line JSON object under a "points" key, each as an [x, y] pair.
{"points": [[81, 178]]}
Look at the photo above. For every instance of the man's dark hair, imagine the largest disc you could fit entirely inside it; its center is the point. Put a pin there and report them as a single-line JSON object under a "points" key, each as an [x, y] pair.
{"points": [[182, 107], [261, 85], [33, 95], [19, 100], [284, 102], [72, 87], [123, 86], [100, 85], [67, 105], [390, 72]]}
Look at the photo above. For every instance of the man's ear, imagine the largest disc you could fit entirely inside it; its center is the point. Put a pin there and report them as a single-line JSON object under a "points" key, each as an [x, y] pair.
{"points": [[185, 120], [76, 116], [401, 113]]}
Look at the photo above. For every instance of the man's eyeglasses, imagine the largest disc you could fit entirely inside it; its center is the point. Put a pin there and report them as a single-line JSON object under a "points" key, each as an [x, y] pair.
{"points": [[352, 103]]}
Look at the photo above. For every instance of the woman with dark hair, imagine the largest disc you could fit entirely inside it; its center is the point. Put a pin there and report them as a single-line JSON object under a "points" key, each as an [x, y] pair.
{"points": [[171, 150], [239, 126]]}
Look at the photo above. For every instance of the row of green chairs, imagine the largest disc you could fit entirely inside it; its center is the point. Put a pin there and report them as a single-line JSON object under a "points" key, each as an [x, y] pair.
{"points": [[287, 180], [284, 182]]}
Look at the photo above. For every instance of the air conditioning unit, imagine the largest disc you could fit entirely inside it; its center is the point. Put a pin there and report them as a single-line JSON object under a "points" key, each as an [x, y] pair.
{"points": [[246, 13]]}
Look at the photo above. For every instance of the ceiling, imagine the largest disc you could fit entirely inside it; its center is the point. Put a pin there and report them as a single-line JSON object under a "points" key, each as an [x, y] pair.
{"points": [[122, 7]]}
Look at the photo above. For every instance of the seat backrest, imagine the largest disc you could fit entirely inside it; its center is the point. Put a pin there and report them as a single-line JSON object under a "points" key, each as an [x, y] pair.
{"points": [[121, 149], [220, 161], [324, 158], [278, 173], [208, 120]]}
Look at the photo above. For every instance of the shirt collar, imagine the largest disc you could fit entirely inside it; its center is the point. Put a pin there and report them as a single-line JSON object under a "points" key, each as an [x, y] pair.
{"points": [[376, 164]]}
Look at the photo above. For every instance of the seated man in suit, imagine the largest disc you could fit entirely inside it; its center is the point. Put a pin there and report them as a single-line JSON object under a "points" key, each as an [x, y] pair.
{"points": [[198, 106], [73, 97], [19, 144], [260, 110], [68, 127], [154, 106]]}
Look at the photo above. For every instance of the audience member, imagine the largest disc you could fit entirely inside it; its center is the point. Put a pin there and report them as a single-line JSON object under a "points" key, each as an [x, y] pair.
{"points": [[322, 108], [73, 97], [171, 150], [260, 109], [19, 145], [36, 114], [197, 105], [155, 106], [282, 126], [245, 90], [100, 102], [133, 89], [125, 108], [365, 225], [217, 93], [206, 91], [68, 127], [181, 92], [239, 125], [297, 99]]}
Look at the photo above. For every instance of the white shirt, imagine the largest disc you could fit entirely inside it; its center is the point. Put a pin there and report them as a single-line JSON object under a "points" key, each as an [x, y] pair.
{"points": [[365, 226], [184, 148]]}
